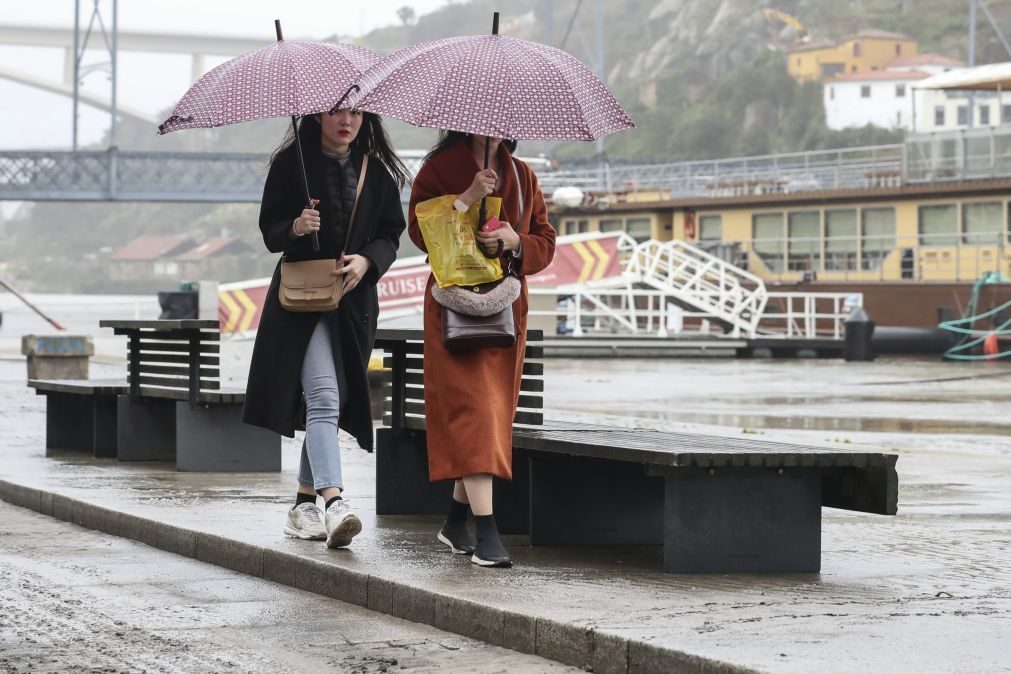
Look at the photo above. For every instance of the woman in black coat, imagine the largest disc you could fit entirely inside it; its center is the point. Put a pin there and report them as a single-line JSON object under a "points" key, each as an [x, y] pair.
{"points": [[324, 356]]}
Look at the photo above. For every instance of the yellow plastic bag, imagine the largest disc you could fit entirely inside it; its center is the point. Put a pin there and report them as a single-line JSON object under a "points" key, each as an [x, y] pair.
{"points": [[452, 246]]}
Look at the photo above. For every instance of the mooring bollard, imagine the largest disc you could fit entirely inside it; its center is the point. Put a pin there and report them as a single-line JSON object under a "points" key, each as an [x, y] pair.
{"points": [[857, 344], [57, 356]]}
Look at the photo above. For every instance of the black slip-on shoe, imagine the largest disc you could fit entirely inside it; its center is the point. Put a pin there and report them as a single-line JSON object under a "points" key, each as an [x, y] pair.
{"points": [[456, 536]]}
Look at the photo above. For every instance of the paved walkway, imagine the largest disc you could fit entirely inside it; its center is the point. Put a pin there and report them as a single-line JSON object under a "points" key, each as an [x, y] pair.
{"points": [[926, 591], [72, 599]]}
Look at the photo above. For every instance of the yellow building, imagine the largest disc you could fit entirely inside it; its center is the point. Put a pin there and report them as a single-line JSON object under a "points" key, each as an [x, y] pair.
{"points": [[868, 50]]}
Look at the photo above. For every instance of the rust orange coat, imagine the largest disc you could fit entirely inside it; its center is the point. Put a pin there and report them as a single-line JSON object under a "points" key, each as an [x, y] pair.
{"points": [[470, 398]]}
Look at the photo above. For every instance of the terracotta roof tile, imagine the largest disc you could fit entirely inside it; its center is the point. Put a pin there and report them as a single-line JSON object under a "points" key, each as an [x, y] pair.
{"points": [[145, 248]]}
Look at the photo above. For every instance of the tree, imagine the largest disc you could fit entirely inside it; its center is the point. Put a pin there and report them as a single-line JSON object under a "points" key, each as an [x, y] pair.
{"points": [[406, 14]]}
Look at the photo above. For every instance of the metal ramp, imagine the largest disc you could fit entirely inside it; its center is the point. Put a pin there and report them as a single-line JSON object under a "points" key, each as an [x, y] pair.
{"points": [[700, 281], [661, 277]]}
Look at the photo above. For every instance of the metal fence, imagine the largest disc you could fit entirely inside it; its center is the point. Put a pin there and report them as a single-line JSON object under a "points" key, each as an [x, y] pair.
{"points": [[230, 177]]}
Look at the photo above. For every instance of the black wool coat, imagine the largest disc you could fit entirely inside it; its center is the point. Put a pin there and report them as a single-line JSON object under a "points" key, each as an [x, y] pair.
{"points": [[274, 390]]}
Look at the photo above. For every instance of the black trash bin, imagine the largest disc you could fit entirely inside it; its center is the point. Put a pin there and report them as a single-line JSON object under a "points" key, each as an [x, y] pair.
{"points": [[859, 331], [178, 304]]}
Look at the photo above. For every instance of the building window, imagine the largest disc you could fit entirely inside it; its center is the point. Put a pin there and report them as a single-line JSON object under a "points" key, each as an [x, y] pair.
{"points": [[963, 115], [832, 69], [938, 225], [831, 93], [984, 115], [710, 228], [576, 226], [767, 234], [938, 115], [981, 222], [841, 240], [865, 91], [804, 241], [877, 236], [856, 49], [900, 91], [798, 61], [898, 118], [898, 48], [1005, 114], [853, 69]]}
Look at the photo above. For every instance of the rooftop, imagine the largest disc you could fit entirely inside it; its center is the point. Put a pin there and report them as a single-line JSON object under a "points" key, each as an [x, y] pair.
{"points": [[150, 247], [875, 34], [217, 246], [879, 75], [925, 60]]}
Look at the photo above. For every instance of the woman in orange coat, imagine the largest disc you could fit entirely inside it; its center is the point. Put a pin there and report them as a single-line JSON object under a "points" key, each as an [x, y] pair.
{"points": [[471, 396]]}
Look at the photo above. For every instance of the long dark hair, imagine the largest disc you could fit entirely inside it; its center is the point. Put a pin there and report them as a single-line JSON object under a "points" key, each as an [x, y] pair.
{"points": [[372, 139], [449, 138]]}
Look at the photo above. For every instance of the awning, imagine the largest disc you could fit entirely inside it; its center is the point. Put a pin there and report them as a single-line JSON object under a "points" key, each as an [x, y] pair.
{"points": [[991, 77]]}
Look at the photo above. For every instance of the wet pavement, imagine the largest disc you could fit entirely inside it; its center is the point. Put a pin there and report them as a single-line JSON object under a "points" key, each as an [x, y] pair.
{"points": [[926, 591], [72, 599]]}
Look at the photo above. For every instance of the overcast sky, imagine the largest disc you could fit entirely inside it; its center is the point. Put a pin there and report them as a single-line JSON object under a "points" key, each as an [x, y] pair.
{"points": [[31, 118]]}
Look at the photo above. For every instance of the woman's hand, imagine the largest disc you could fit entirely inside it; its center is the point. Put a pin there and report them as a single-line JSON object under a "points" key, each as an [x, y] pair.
{"points": [[353, 268], [510, 239], [482, 185], [308, 222]]}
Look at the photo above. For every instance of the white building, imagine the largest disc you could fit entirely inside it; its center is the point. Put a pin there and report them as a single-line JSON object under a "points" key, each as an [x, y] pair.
{"points": [[878, 97], [883, 98]]}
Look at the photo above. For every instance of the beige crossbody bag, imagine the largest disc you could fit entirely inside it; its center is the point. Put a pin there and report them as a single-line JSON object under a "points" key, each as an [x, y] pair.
{"points": [[310, 285]]}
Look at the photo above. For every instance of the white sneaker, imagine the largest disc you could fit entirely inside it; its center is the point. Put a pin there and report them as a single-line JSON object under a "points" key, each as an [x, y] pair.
{"points": [[305, 521], [341, 525]]}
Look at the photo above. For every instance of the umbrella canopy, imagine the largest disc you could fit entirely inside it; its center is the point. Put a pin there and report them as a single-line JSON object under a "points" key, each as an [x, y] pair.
{"points": [[492, 85], [281, 80]]}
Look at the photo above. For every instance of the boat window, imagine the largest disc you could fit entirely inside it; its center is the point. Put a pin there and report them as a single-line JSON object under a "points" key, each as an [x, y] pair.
{"points": [[841, 239], [804, 236], [877, 236], [982, 222], [612, 225], [710, 228], [767, 234], [640, 229], [938, 225]]}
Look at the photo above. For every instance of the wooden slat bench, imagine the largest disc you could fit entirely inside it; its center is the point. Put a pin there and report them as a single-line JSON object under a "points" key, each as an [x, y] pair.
{"points": [[175, 407], [715, 504]]}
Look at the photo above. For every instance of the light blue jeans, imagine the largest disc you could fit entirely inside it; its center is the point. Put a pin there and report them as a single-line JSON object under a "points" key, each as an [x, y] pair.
{"points": [[320, 466]]}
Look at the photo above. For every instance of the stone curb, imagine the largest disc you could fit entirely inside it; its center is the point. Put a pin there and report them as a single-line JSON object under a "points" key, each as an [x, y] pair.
{"points": [[567, 643]]}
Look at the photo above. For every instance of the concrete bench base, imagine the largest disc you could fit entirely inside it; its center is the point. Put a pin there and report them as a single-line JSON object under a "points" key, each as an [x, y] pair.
{"points": [[214, 439], [206, 438], [403, 487], [84, 423]]}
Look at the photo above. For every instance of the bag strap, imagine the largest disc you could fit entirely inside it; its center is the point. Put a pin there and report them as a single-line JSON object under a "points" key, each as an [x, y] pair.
{"points": [[519, 186], [354, 209]]}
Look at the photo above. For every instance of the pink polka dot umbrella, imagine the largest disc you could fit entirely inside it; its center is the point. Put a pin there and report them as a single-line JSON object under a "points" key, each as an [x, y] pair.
{"points": [[281, 80], [285, 79], [492, 85]]}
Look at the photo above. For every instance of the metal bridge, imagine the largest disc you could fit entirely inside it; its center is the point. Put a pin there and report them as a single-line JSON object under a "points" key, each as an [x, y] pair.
{"points": [[115, 175]]}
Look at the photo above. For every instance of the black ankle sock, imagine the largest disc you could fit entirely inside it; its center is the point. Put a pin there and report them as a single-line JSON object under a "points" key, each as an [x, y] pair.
{"points": [[457, 512], [301, 498], [330, 501], [486, 527]]}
